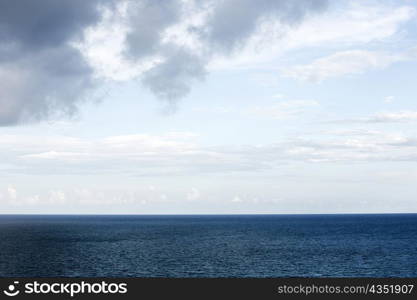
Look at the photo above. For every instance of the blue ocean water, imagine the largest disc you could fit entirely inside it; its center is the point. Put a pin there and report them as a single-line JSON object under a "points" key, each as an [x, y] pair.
{"points": [[209, 246]]}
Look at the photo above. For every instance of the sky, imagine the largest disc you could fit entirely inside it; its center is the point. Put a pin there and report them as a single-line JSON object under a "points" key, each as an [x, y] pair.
{"points": [[208, 107]]}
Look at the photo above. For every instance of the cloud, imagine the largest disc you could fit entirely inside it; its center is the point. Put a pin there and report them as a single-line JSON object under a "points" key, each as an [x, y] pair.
{"points": [[283, 109], [32, 26], [389, 99], [354, 147], [148, 20], [338, 27], [50, 54], [57, 197], [402, 116], [194, 194], [385, 117], [75, 196], [354, 23], [50, 83], [137, 197], [171, 79], [166, 155], [41, 73], [221, 27], [232, 22], [237, 199], [54, 54], [341, 64], [348, 62], [12, 193], [280, 110]]}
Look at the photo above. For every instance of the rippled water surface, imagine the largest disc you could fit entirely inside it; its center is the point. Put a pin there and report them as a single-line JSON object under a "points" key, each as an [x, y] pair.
{"points": [[209, 246]]}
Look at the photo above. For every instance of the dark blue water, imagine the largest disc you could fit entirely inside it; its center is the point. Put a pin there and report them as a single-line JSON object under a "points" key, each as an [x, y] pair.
{"points": [[209, 246]]}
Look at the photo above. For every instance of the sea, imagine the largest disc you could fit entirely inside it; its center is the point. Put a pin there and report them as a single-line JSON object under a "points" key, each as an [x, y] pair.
{"points": [[373, 245]]}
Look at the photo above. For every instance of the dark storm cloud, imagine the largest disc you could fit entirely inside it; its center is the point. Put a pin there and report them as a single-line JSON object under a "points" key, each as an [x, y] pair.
{"points": [[41, 74]]}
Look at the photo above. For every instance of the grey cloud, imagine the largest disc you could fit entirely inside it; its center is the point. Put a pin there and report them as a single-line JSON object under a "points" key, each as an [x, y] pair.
{"points": [[232, 22], [45, 23], [401, 116], [41, 74], [227, 27], [148, 19], [49, 83], [171, 79]]}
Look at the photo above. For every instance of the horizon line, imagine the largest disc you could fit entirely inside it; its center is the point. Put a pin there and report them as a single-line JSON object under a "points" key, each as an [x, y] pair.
{"points": [[207, 214]]}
